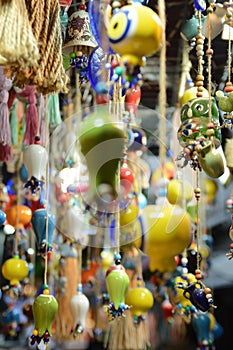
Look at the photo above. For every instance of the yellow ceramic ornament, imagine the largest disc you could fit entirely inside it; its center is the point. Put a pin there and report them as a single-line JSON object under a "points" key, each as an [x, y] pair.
{"points": [[130, 37], [179, 191], [167, 234], [210, 189], [129, 215], [140, 300], [15, 270], [191, 93]]}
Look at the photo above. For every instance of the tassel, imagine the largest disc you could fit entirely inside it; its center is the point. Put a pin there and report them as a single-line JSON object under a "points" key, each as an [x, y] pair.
{"points": [[54, 110], [6, 153], [18, 45], [5, 131], [14, 123], [31, 114]]}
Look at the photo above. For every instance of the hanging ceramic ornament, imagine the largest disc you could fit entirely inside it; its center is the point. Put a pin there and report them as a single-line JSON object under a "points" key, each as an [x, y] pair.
{"points": [[127, 34], [167, 233], [15, 270], [117, 282], [201, 325], [75, 221], [35, 159], [79, 306], [179, 191], [44, 309], [141, 300], [99, 133], [18, 215], [126, 178], [2, 217], [40, 224]]}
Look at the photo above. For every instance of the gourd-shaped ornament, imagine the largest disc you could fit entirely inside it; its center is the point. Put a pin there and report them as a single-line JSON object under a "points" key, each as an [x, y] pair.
{"points": [[102, 143], [44, 310], [15, 270], [79, 306], [35, 159], [117, 282], [39, 223], [141, 300]]}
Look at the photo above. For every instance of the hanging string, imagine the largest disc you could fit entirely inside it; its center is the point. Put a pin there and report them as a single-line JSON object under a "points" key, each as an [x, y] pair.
{"points": [[209, 53], [117, 214], [162, 84], [197, 192], [79, 263], [47, 192]]}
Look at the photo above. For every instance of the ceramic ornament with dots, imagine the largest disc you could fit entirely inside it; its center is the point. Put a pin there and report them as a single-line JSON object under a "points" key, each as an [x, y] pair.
{"points": [[199, 132], [128, 38]]}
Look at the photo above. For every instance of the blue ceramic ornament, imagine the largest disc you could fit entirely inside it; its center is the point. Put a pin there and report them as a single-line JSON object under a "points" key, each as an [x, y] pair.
{"points": [[39, 222]]}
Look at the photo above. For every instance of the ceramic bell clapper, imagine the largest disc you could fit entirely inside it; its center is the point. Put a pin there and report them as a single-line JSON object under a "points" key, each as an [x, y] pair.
{"points": [[102, 143], [79, 306], [127, 34], [35, 158], [15, 270], [44, 310], [39, 224], [140, 300], [117, 282]]}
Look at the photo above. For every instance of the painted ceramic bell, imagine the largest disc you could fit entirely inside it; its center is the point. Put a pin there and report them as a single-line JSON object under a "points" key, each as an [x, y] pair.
{"points": [[15, 270], [78, 33], [127, 34], [195, 120], [20, 214], [140, 300], [117, 282], [38, 221], [190, 29], [35, 158], [44, 310], [2, 217], [191, 93], [79, 306], [132, 99], [102, 144], [167, 232], [129, 215]]}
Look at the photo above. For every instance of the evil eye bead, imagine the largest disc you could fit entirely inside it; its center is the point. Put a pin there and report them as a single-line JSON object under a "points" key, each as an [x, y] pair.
{"points": [[200, 5], [121, 25]]}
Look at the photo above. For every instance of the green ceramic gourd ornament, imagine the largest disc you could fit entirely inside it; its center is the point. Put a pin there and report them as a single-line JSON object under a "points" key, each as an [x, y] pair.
{"points": [[102, 143], [44, 310]]}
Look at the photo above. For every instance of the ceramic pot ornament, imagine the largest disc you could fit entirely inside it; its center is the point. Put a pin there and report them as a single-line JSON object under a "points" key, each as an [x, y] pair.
{"points": [[44, 310], [79, 306], [39, 223], [35, 158], [117, 282]]}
